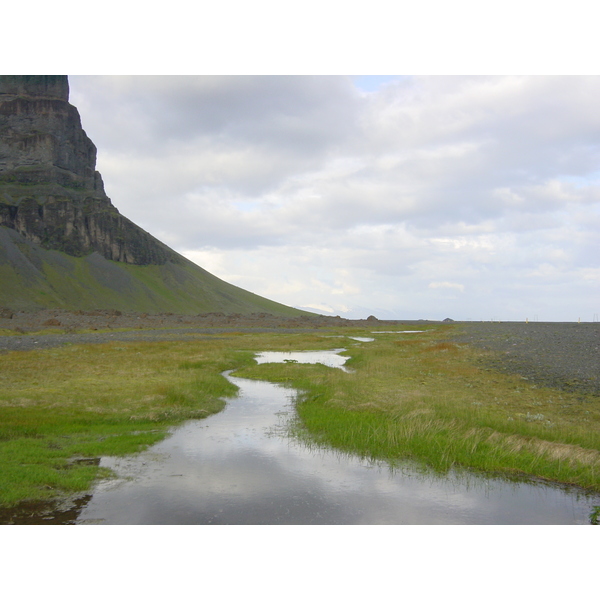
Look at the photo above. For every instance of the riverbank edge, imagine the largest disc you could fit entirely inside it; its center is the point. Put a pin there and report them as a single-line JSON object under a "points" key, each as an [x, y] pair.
{"points": [[66, 504], [314, 395]]}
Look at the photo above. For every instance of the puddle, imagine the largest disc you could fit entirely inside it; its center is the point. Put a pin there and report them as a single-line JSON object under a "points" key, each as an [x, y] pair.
{"points": [[241, 466], [329, 358], [363, 339]]}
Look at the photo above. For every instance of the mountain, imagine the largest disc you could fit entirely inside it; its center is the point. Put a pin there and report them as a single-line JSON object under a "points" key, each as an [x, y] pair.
{"points": [[62, 242]]}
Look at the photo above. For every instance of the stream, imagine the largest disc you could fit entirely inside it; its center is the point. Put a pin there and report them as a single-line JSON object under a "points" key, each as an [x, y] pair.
{"points": [[241, 466]]}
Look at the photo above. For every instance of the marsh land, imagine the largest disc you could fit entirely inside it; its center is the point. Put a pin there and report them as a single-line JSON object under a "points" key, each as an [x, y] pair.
{"points": [[516, 399]]}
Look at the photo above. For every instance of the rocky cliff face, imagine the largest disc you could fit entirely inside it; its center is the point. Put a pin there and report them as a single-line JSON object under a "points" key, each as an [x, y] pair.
{"points": [[50, 191]]}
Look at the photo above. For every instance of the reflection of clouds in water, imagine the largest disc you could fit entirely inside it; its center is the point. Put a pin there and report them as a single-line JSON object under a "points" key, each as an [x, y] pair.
{"points": [[231, 469], [329, 358]]}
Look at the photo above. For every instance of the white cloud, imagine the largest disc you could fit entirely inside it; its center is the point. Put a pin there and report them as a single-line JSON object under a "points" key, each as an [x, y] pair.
{"points": [[324, 308], [447, 284], [480, 191]]}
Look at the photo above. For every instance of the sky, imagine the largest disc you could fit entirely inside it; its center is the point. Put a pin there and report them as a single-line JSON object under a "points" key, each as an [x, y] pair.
{"points": [[450, 191], [404, 197]]}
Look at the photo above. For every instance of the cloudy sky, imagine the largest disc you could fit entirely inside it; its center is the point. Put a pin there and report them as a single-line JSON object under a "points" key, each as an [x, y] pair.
{"points": [[403, 197]]}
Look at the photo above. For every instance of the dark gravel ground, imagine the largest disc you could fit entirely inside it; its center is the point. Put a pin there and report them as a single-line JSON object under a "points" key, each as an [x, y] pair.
{"points": [[37, 342], [562, 355], [61, 327]]}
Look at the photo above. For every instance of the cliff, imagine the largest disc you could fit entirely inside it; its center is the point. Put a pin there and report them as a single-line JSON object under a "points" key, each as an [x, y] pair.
{"points": [[50, 191], [62, 242]]}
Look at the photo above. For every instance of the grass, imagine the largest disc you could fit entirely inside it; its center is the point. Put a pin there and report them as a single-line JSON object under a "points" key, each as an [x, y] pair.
{"points": [[409, 396], [82, 401], [40, 278], [426, 399], [87, 401]]}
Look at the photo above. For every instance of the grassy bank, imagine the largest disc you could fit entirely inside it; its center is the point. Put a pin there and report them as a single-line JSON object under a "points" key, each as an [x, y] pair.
{"points": [[409, 396], [417, 396], [63, 406]]}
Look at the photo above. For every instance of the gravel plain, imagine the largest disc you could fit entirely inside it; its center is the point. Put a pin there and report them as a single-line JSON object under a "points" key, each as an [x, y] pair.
{"points": [[562, 355], [51, 328]]}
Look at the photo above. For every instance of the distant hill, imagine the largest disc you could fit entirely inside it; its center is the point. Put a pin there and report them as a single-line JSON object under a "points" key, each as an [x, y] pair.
{"points": [[62, 242]]}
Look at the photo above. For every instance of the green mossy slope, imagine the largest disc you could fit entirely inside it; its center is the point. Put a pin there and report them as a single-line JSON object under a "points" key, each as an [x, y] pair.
{"points": [[32, 278]]}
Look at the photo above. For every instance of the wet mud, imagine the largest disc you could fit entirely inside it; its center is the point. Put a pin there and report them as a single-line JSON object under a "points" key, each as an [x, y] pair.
{"points": [[63, 512]]}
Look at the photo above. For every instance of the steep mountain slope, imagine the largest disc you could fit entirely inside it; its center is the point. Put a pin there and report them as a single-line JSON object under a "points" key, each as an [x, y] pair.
{"points": [[62, 242]]}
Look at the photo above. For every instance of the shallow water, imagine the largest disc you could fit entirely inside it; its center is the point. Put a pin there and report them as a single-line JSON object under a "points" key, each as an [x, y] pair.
{"points": [[241, 467], [329, 358]]}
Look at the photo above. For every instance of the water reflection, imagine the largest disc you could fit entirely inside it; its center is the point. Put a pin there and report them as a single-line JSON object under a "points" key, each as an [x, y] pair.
{"points": [[329, 358], [44, 512], [240, 467]]}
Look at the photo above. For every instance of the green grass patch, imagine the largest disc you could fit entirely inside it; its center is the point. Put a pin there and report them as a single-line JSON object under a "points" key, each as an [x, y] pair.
{"points": [[80, 401], [94, 400], [419, 397], [409, 396]]}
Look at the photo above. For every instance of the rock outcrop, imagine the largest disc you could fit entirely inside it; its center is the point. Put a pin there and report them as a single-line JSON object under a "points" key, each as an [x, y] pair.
{"points": [[63, 245], [50, 191]]}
